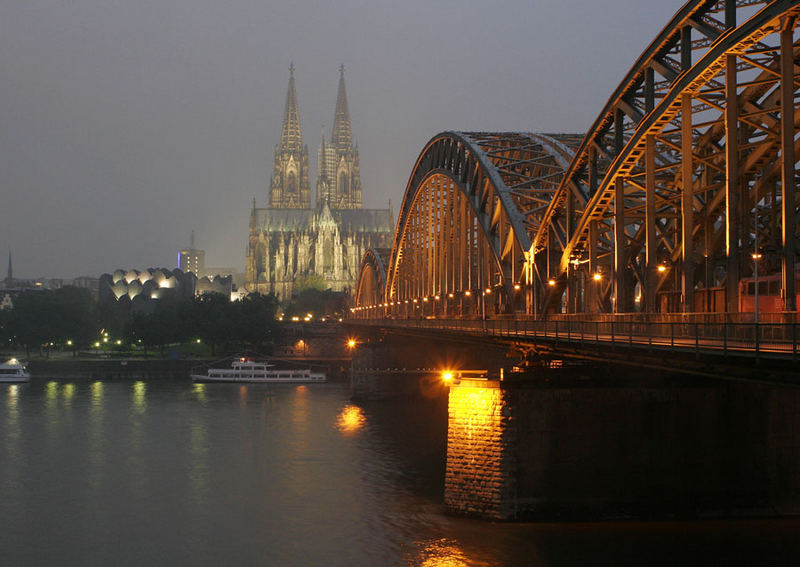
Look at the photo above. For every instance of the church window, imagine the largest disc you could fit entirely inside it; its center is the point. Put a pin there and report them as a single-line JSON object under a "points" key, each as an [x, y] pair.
{"points": [[343, 189], [291, 183], [327, 255]]}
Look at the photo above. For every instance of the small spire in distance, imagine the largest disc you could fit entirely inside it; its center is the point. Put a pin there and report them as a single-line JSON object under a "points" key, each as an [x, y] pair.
{"points": [[291, 134], [342, 135]]}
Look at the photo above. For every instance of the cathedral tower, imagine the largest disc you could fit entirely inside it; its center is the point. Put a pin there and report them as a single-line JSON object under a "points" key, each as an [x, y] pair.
{"points": [[289, 188], [339, 173]]}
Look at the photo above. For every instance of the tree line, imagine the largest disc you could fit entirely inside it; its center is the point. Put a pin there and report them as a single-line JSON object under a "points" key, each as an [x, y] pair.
{"points": [[70, 318]]}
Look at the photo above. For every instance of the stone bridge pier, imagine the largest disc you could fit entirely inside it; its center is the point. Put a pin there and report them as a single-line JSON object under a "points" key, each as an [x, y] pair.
{"points": [[568, 445]]}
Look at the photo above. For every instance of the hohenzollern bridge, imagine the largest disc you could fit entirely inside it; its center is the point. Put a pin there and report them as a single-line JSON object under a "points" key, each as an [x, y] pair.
{"points": [[673, 221]]}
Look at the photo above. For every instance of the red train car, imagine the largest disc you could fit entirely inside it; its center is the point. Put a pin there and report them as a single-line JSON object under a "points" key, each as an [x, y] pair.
{"points": [[769, 293]]}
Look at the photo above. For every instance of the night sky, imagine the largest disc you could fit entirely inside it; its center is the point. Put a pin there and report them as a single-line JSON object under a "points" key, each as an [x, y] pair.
{"points": [[126, 124]]}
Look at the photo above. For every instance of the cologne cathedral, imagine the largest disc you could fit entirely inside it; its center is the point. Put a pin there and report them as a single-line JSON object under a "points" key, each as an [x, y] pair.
{"points": [[294, 236]]}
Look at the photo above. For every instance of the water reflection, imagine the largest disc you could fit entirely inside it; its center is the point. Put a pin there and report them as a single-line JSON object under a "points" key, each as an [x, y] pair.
{"points": [[13, 392], [199, 391], [68, 391], [350, 420], [300, 409], [139, 394], [97, 394], [441, 553], [51, 394], [96, 438], [243, 395], [198, 464]]}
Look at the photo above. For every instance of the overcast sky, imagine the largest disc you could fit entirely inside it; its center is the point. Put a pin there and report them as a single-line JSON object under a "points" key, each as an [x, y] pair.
{"points": [[126, 124]]}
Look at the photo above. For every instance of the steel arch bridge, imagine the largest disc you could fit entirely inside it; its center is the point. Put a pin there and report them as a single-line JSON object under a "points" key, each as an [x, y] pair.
{"points": [[679, 196]]}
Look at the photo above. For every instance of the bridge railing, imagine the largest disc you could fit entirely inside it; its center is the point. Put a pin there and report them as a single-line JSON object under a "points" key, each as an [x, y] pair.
{"points": [[690, 333]]}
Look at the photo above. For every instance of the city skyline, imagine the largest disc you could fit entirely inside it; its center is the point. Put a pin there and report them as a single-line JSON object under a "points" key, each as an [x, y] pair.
{"points": [[126, 127]]}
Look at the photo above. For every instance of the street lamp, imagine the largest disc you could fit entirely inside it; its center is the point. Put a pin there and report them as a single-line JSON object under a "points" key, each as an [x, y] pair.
{"points": [[756, 257], [351, 345]]}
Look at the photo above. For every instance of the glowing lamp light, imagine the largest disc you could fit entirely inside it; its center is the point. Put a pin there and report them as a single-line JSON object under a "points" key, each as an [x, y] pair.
{"points": [[517, 286], [551, 282], [69, 343], [425, 299], [597, 277], [447, 376], [436, 298], [351, 343], [468, 293], [487, 291], [662, 268], [450, 295], [414, 300], [755, 256]]}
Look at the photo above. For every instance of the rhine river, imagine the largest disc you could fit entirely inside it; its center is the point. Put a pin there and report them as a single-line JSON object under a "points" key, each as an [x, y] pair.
{"points": [[173, 473]]}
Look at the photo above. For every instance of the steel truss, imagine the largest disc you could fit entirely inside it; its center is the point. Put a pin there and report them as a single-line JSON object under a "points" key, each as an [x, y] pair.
{"points": [[688, 172], [470, 204], [371, 285]]}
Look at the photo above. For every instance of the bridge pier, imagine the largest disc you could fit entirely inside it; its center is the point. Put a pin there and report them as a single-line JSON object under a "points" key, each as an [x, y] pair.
{"points": [[563, 446]]}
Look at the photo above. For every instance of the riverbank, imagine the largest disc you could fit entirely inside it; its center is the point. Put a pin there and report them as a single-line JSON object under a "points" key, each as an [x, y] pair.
{"points": [[154, 368], [113, 369]]}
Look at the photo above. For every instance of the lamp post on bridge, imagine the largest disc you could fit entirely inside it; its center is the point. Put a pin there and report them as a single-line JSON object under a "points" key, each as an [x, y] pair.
{"points": [[756, 257]]}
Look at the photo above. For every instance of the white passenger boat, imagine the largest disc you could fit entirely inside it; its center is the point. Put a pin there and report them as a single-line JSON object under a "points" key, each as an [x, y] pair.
{"points": [[13, 371], [244, 370]]}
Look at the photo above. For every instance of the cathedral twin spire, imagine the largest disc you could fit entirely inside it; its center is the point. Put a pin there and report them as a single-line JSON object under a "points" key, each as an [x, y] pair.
{"points": [[291, 134], [338, 172], [342, 135]]}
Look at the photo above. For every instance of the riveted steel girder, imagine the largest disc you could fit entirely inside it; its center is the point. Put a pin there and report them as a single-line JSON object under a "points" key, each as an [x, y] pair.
{"points": [[371, 285], [691, 161], [471, 202]]}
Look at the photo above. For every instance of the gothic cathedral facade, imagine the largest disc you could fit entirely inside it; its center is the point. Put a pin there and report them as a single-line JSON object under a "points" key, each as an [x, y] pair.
{"points": [[294, 239]]}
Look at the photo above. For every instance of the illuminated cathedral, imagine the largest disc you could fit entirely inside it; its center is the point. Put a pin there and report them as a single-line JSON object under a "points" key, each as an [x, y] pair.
{"points": [[295, 237]]}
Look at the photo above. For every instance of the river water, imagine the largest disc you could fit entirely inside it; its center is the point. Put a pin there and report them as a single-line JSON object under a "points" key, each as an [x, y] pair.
{"points": [[175, 473]]}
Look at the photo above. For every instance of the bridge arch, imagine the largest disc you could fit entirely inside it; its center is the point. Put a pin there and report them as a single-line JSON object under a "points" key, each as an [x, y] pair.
{"points": [[689, 170], [371, 286], [463, 228]]}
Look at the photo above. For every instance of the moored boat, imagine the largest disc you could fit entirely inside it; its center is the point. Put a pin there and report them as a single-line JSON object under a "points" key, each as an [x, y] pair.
{"points": [[13, 371], [245, 370]]}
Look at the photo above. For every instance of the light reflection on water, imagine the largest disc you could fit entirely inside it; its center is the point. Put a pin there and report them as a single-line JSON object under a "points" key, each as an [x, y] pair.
{"points": [[351, 419], [113, 473]]}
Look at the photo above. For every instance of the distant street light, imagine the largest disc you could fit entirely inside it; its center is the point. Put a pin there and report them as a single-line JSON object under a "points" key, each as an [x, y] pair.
{"points": [[756, 257]]}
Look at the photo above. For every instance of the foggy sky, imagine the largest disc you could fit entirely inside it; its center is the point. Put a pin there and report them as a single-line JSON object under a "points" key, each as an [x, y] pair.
{"points": [[126, 124]]}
